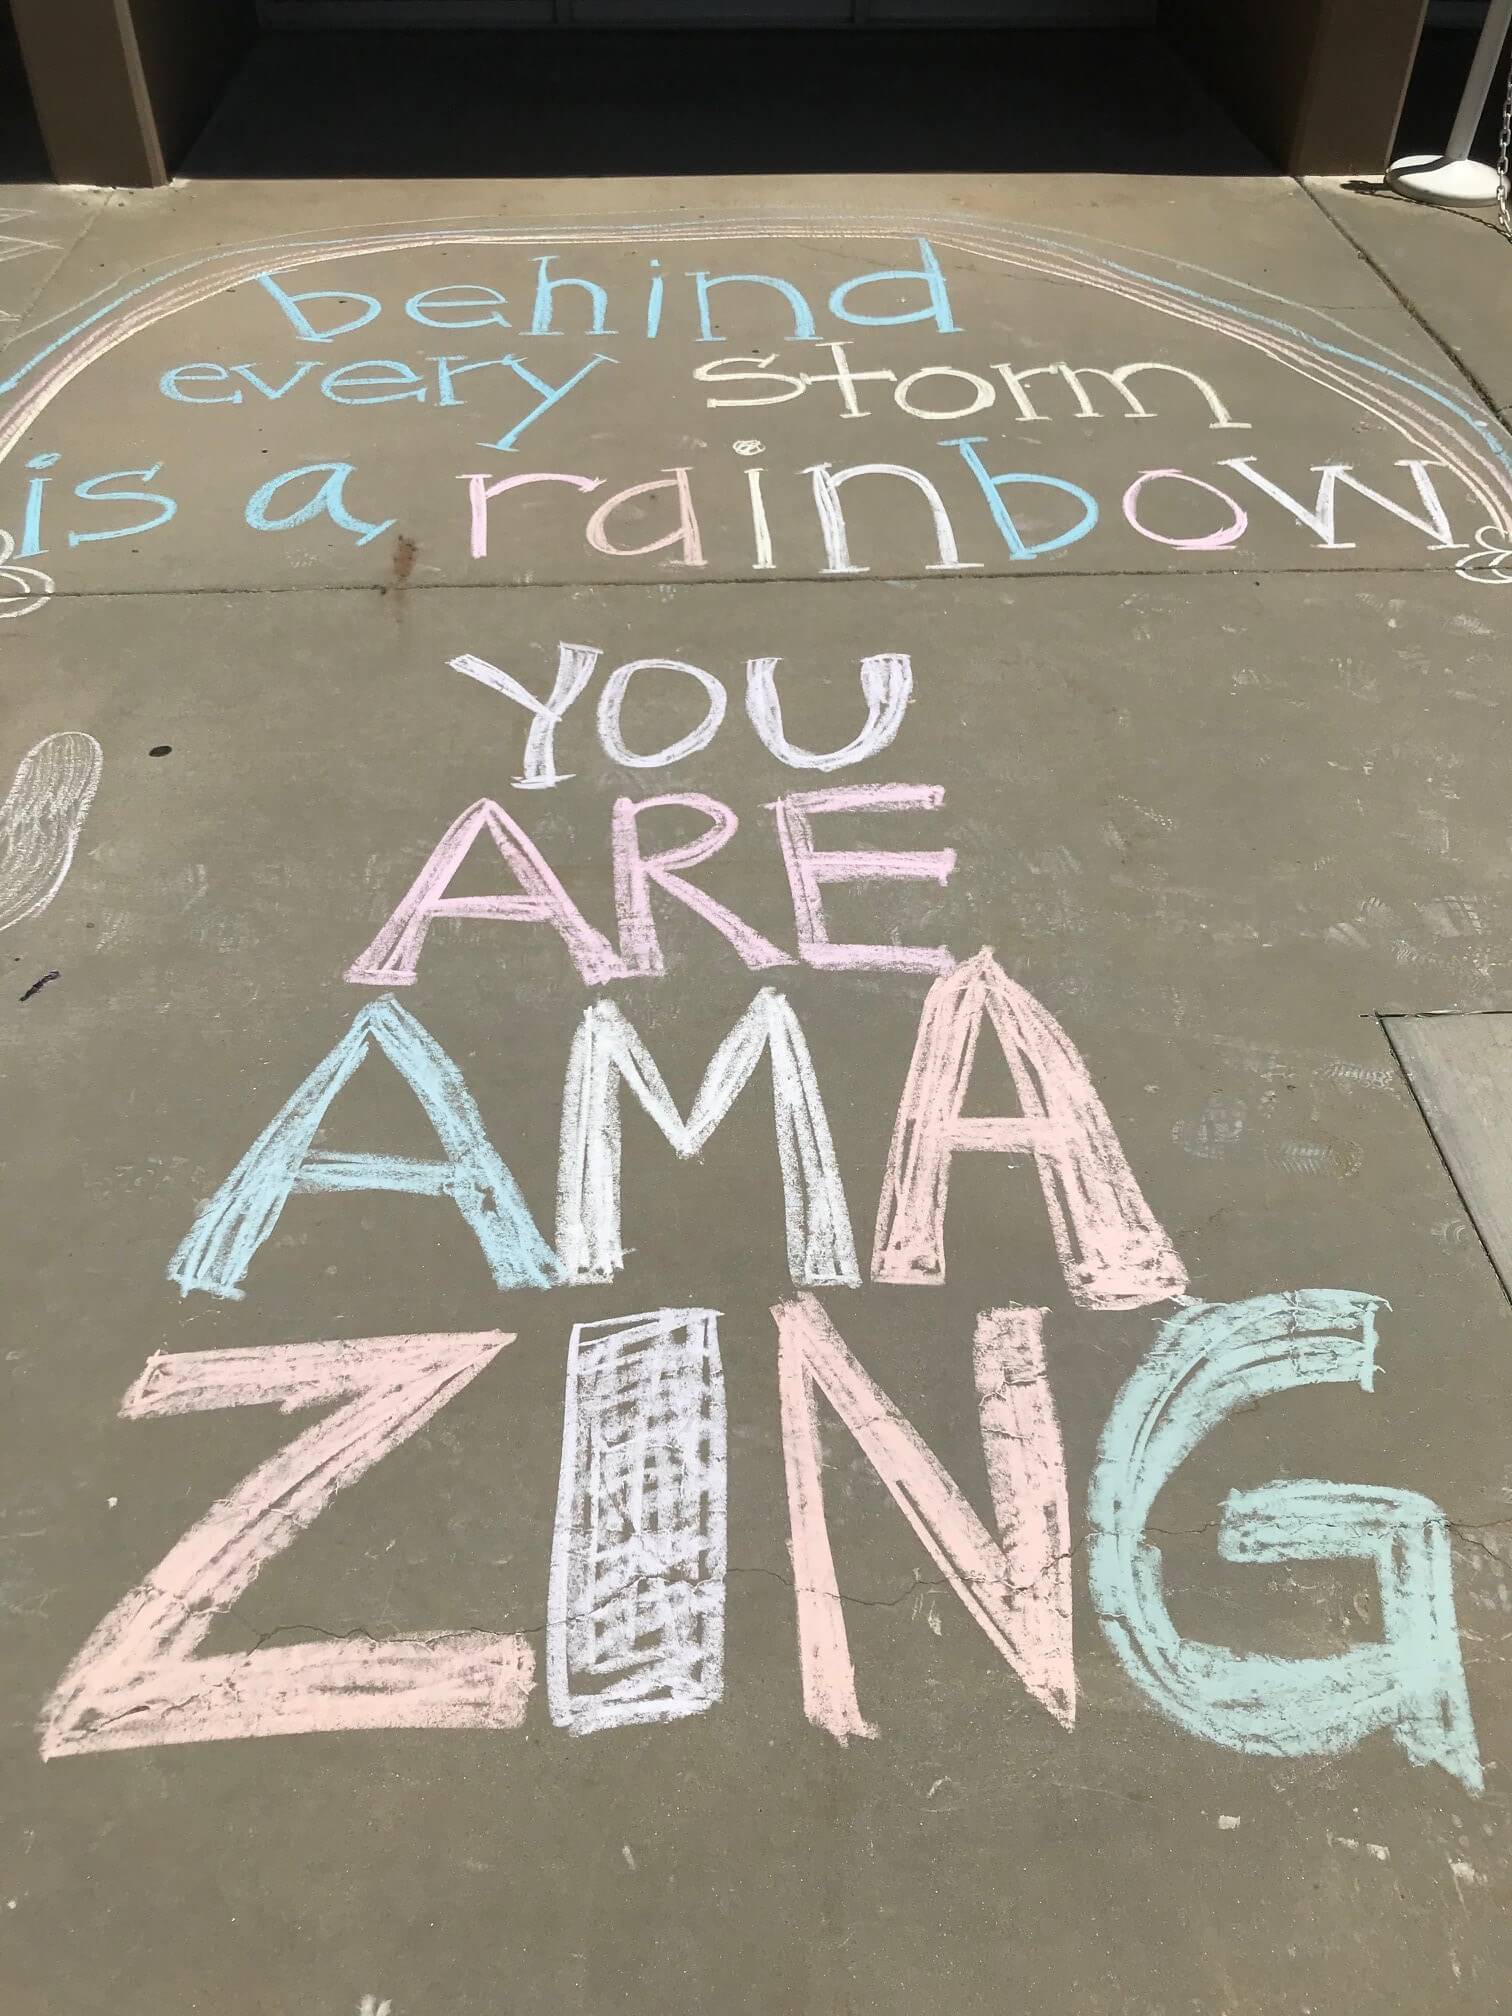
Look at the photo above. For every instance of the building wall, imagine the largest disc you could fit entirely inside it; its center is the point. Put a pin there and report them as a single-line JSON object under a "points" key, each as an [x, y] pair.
{"points": [[1317, 83]]}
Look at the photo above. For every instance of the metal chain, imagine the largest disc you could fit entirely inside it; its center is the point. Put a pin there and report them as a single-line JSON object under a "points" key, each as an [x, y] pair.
{"points": [[1504, 150]]}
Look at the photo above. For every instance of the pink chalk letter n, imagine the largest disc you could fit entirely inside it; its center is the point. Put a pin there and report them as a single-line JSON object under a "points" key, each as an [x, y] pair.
{"points": [[1019, 1592]]}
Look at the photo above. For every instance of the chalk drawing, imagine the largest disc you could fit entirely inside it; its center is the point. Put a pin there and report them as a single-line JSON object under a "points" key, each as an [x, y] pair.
{"points": [[763, 560], [886, 687], [391, 959], [607, 1055], [635, 1615], [1075, 377], [611, 705], [328, 498], [1112, 1249], [284, 1162], [886, 690], [810, 869], [137, 1682], [549, 395], [1319, 517], [1018, 488], [635, 1612], [1018, 1593], [41, 819], [993, 488], [1026, 1473], [480, 489], [1491, 559], [1206, 542], [832, 525], [23, 590], [575, 663], [635, 873], [366, 381], [1209, 1360], [1428, 412], [13, 247], [684, 534]]}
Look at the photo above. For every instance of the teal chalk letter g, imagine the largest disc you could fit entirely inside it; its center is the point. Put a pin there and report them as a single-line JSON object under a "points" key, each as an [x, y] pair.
{"points": [[1210, 1359]]}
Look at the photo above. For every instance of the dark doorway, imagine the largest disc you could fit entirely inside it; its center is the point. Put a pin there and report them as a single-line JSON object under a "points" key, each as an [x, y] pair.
{"points": [[553, 103]]}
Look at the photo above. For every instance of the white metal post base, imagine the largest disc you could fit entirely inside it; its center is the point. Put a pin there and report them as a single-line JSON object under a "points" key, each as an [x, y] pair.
{"points": [[1452, 177], [1432, 178]]}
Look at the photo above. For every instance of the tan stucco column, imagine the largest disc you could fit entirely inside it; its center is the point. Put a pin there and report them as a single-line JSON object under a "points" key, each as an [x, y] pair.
{"points": [[122, 86]]}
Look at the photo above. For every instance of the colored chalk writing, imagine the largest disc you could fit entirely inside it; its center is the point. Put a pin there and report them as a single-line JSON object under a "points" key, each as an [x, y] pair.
{"points": [[636, 1585]]}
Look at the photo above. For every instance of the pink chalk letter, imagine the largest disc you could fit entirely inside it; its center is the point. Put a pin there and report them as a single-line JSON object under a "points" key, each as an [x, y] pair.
{"points": [[391, 959], [1205, 542], [1018, 1593], [137, 1683], [684, 534], [479, 490], [1112, 1249], [1026, 1472], [809, 869], [634, 874]]}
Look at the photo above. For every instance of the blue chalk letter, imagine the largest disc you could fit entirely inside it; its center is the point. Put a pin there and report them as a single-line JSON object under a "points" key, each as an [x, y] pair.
{"points": [[1210, 1359], [90, 491], [929, 272], [198, 374], [547, 396], [304, 328], [803, 316], [993, 487], [283, 1162], [455, 301], [545, 300], [330, 498]]}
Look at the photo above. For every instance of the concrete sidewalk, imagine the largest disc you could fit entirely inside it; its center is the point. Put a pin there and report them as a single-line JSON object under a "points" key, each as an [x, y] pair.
{"points": [[1452, 270], [1038, 1537]]}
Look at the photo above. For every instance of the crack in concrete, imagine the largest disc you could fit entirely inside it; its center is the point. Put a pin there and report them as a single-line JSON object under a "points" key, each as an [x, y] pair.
{"points": [[381, 588]]}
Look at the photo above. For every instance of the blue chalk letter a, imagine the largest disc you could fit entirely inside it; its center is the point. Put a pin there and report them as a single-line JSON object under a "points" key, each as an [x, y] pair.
{"points": [[1209, 1360], [283, 1162]]}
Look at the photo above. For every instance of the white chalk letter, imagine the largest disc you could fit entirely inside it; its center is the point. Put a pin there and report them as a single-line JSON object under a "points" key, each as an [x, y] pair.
{"points": [[575, 663], [635, 1612], [607, 1053], [886, 687]]}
